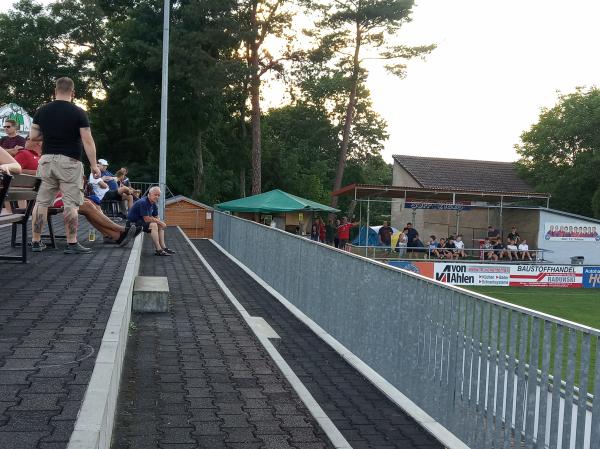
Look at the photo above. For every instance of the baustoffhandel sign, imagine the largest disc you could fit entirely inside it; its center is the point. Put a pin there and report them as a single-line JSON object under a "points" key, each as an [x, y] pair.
{"points": [[501, 275]]}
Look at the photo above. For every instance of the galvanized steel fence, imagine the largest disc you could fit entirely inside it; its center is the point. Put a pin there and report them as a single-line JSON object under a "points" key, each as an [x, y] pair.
{"points": [[494, 374]]}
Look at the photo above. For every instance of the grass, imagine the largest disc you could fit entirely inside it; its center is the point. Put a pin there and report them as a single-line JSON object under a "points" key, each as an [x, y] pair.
{"points": [[574, 304]]}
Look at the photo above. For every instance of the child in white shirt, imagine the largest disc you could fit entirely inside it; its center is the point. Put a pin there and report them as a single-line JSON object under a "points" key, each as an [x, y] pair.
{"points": [[524, 250], [460, 246]]}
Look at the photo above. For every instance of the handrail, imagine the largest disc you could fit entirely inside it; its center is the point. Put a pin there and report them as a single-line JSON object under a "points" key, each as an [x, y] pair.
{"points": [[442, 346]]}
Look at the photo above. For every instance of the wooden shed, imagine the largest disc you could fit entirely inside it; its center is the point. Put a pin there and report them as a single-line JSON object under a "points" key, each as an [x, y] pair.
{"points": [[195, 218]]}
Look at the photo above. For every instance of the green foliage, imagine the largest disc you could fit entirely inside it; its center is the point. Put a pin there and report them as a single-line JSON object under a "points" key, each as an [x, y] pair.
{"points": [[30, 57], [561, 153], [113, 51]]}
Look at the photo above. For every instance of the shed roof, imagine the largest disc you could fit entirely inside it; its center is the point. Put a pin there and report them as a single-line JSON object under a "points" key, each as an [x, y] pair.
{"points": [[463, 174], [178, 198]]}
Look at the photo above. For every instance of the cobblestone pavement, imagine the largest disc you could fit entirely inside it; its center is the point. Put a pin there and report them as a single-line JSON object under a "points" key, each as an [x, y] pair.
{"points": [[53, 312], [196, 377], [365, 417]]}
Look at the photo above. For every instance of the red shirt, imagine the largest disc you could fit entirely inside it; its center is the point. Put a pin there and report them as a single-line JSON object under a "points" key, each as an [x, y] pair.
{"points": [[27, 159], [344, 231]]}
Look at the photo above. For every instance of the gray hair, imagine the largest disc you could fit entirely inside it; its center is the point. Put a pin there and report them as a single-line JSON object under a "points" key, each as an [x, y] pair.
{"points": [[154, 189]]}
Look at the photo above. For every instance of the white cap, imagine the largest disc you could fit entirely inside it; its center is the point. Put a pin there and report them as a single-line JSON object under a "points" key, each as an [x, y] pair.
{"points": [[103, 162]]}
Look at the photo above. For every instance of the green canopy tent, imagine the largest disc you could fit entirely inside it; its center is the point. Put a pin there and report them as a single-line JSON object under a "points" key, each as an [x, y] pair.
{"points": [[273, 201]]}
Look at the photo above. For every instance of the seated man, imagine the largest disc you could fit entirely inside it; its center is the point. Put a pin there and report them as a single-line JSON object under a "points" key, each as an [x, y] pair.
{"points": [[12, 142], [115, 192], [433, 247], [512, 250], [488, 250], [144, 214], [121, 235], [499, 249], [450, 251], [99, 187]]}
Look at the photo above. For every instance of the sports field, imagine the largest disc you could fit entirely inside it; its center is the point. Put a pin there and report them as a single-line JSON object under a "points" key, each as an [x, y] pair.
{"points": [[574, 304]]}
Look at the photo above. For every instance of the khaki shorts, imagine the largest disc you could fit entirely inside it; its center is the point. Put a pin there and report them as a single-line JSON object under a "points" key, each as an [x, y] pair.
{"points": [[62, 173]]}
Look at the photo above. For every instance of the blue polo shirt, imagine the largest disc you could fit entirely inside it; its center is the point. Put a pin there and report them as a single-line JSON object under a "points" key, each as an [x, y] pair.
{"points": [[142, 208], [112, 184]]}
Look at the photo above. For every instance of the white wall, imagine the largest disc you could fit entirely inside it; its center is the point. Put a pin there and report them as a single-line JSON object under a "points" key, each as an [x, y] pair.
{"points": [[563, 251]]}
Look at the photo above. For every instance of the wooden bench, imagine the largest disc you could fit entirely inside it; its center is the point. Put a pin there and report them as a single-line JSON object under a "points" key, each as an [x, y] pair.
{"points": [[52, 211], [27, 190]]}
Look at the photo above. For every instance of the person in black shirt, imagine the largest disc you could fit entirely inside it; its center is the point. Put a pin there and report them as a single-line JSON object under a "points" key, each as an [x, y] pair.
{"points": [[385, 234], [66, 131], [514, 235]]}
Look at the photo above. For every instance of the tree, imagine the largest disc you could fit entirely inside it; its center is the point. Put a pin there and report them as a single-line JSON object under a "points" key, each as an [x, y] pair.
{"points": [[30, 56], [560, 154], [263, 19], [350, 31]]}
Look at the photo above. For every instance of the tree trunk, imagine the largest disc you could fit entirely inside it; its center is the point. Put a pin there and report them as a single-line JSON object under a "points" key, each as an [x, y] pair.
{"points": [[339, 174], [242, 182], [255, 101], [199, 178], [243, 139]]}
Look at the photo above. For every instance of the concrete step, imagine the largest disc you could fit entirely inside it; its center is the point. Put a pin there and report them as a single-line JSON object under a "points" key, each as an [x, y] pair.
{"points": [[150, 294]]}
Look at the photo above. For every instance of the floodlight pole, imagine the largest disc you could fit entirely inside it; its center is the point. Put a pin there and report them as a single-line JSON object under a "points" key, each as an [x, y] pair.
{"points": [[162, 165]]}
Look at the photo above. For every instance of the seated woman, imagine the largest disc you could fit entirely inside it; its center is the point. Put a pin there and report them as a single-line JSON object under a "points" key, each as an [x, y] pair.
{"points": [[8, 164]]}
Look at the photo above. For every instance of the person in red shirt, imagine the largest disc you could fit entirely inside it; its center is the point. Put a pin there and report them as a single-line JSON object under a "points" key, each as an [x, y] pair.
{"points": [[29, 156], [321, 226], [343, 231]]}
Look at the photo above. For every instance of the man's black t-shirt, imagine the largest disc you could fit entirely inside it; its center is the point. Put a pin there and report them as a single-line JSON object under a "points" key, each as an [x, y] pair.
{"points": [[59, 122], [385, 233]]}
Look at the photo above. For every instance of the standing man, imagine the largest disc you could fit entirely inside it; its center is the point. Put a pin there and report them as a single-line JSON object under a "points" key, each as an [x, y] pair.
{"points": [[12, 142], [343, 232], [144, 215], [65, 129], [411, 234], [514, 235], [385, 234]]}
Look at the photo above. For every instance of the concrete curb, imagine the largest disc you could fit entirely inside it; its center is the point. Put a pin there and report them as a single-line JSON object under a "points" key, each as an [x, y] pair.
{"points": [[439, 432], [93, 428]]}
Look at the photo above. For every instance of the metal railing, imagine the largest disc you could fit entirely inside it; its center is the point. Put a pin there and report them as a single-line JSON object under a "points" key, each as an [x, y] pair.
{"points": [[494, 374], [381, 252], [145, 186]]}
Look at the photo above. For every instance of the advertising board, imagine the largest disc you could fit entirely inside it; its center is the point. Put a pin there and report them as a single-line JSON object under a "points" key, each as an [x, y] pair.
{"points": [[579, 231], [504, 275], [546, 276], [591, 277], [472, 274]]}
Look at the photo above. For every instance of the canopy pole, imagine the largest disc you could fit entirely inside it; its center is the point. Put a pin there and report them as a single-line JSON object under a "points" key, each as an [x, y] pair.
{"points": [[367, 230]]}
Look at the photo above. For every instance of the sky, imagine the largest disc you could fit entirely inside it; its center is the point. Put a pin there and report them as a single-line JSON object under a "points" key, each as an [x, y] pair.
{"points": [[496, 65]]}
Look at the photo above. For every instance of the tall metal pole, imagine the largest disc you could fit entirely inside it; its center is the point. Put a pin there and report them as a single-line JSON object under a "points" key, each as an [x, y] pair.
{"points": [[162, 167]]}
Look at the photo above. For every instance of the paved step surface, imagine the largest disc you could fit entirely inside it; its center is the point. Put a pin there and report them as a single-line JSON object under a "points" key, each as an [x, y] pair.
{"points": [[53, 312], [196, 377], [365, 417]]}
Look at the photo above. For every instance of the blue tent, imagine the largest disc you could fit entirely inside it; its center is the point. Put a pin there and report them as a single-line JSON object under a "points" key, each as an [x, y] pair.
{"points": [[373, 239]]}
